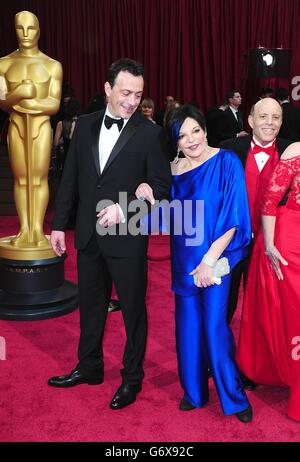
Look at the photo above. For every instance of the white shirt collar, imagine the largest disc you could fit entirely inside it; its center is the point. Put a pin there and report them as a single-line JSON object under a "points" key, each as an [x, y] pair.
{"points": [[259, 144], [107, 112], [234, 110]]}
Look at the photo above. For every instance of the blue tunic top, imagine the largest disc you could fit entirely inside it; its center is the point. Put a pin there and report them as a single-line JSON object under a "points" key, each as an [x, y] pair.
{"points": [[220, 183]]}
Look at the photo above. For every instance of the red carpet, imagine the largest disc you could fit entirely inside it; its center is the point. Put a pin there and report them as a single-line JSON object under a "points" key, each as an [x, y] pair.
{"points": [[32, 411]]}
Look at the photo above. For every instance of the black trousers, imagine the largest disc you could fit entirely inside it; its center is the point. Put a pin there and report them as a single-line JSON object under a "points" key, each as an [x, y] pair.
{"points": [[239, 271], [95, 275]]}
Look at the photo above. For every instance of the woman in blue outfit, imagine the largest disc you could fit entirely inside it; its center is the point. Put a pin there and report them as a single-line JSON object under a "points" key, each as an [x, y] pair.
{"points": [[222, 229]]}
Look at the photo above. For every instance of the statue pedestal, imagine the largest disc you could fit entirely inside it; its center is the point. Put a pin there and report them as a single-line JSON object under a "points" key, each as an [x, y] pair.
{"points": [[35, 289]]}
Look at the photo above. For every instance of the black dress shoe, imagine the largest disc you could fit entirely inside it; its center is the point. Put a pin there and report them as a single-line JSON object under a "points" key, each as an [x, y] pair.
{"points": [[114, 305], [125, 395], [185, 405], [245, 416], [75, 378], [248, 384]]}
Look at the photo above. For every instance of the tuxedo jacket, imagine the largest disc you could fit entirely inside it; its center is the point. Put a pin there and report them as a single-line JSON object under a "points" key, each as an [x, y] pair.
{"points": [[229, 125], [214, 125], [240, 146], [290, 128], [138, 156]]}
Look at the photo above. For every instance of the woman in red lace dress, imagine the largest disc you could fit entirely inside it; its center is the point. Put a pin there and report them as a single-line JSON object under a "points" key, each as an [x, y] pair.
{"points": [[269, 346]]}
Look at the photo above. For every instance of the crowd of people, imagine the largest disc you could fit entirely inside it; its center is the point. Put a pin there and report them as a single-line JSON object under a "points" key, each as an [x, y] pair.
{"points": [[248, 180]]}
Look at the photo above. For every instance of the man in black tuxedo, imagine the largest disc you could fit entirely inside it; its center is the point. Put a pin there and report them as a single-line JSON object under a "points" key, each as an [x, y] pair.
{"points": [[214, 123], [258, 153], [232, 122], [112, 151], [290, 127]]}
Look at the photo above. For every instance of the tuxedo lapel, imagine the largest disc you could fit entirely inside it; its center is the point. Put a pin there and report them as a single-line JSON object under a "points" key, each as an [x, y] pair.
{"points": [[245, 144], [95, 133], [127, 132], [232, 117]]}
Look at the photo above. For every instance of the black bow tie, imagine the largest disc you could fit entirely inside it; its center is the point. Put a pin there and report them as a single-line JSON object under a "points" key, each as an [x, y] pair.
{"points": [[109, 121]]}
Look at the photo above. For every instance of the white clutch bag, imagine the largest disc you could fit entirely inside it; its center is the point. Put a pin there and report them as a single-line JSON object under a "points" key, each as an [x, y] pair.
{"points": [[221, 269]]}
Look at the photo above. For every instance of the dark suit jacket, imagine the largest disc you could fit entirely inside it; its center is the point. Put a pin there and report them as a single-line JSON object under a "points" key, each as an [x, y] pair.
{"points": [[137, 157], [214, 125], [229, 126], [290, 128], [240, 146]]}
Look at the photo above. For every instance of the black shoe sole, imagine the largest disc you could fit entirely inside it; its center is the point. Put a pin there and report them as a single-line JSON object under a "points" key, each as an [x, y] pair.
{"points": [[121, 406], [80, 382], [245, 416], [186, 406]]}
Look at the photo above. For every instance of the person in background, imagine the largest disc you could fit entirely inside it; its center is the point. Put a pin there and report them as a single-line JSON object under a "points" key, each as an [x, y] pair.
{"points": [[147, 108], [66, 94], [159, 119], [290, 128], [214, 120], [96, 103], [65, 129], [232, 125], [266, 92]]}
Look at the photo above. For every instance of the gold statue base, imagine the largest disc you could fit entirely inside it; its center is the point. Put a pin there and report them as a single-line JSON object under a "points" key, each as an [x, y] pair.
{"points": [[35, 289], [12, 252]]}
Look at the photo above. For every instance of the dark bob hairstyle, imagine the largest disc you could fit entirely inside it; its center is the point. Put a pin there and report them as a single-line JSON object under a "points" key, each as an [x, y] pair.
{"points": [[176, 119]]}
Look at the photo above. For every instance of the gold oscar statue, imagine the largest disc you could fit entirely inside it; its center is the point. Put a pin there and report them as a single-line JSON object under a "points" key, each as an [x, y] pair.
{"points": [[30, 90]]}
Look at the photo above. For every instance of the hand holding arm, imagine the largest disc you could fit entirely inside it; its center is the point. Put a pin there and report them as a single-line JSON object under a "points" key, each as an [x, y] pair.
{"points": [[145, 192]]}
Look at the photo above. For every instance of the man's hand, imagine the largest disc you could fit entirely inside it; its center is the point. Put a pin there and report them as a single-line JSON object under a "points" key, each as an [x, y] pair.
{"points": [[58, 243], [243, 133], [109, 216], [145, 192], [203, 275], [276, 258]]}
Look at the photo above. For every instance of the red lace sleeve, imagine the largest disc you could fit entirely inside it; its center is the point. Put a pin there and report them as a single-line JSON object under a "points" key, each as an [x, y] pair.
{"points": [[279, 184]]}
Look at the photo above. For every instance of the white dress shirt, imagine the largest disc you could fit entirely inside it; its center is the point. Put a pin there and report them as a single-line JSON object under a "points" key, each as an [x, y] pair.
{"points": [[107, 139], [234, 112], [261, 158]]}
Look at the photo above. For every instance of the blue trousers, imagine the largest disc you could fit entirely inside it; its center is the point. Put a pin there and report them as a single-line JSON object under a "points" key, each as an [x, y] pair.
{"points": [[204, 340]]}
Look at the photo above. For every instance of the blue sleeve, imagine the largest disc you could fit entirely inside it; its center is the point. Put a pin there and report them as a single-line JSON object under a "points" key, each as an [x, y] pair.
{"points": [[234, 209], [157, 221]]}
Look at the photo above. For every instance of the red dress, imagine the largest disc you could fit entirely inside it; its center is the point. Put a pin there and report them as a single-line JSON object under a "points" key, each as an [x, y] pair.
{"points": [[269, 344]]}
